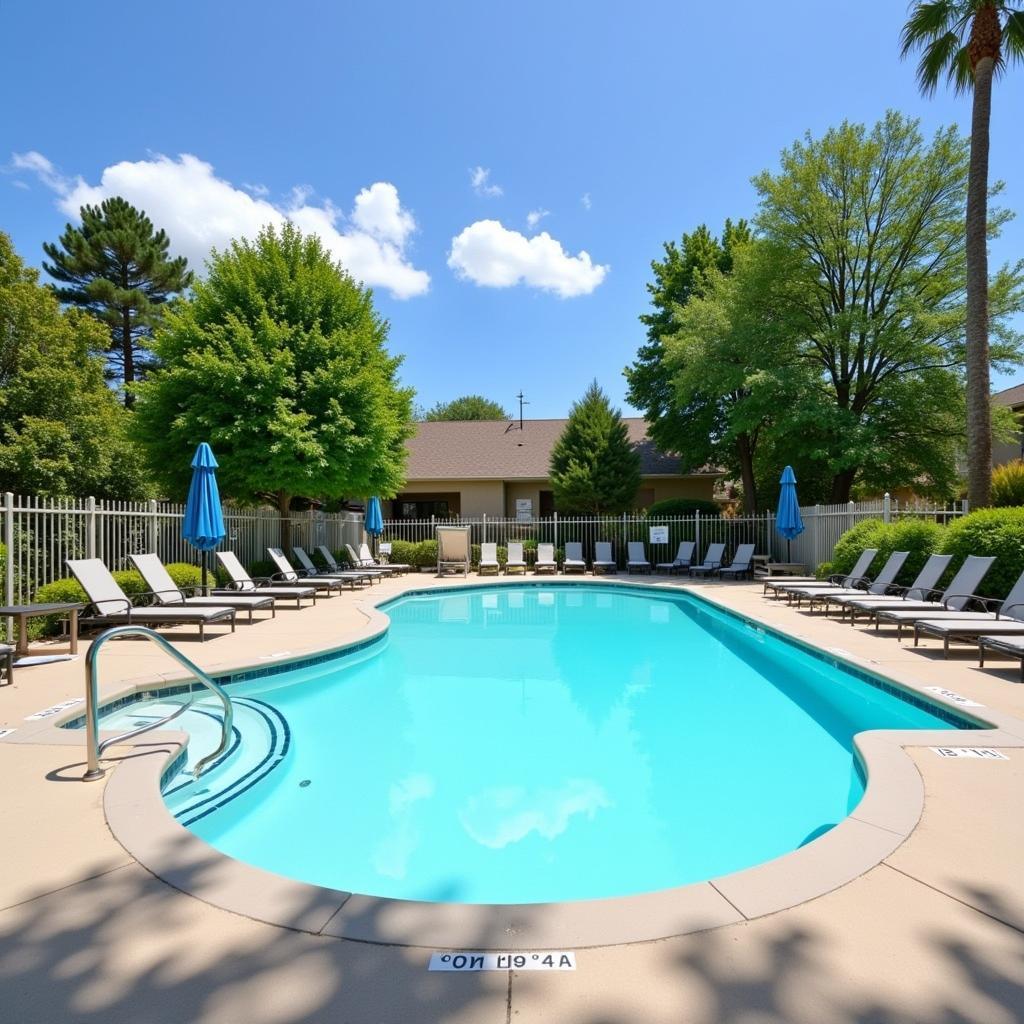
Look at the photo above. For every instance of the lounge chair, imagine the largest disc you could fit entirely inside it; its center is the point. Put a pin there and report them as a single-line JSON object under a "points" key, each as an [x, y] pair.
{"points": [[603, 561], [785, 587], [7, 660], [1011, 646], [453, 549], [922, 586], [489, 564], [712, 561], [309, 569], [996, 618], [954, 600], [742, 563], [378, 572], [243, 583], [545, 559], [167, 594], [110, 606], [335, 568], [683, 559], [857, 588], [286, 572], [574, 560], [515, 561], [367, 561], [636, 557]]}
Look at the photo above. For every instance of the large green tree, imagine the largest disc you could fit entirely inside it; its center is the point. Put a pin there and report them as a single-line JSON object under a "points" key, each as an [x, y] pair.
{"points": [[116, 266], [468, 407], [595, 469], [62, 430], [969, 42], [279, 361]]}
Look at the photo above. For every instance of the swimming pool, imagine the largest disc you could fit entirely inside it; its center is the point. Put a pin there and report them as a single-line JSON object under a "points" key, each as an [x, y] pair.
{"points": [[531, 743]]}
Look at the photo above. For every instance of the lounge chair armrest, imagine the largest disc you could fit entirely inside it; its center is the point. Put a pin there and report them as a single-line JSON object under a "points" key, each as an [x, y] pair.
{"points": [[286, 577], [858, 583], [180, 591], [93, 606], [986, 603], [968, 598], [923, 593], [896, 590], [1003, 609]]}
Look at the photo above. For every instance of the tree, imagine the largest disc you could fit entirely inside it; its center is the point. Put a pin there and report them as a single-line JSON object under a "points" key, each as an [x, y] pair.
{"points": [[62, 431], [279, 361], [468, 407], [970, 42], [116, 267], [594, 467]]}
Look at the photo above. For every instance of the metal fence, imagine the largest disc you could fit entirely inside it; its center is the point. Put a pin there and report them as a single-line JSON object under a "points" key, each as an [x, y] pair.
{"points": [[41, 534], [824, 525]]}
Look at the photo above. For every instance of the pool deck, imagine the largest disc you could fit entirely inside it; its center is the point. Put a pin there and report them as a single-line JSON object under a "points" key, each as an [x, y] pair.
{"points": [[934, 932]]}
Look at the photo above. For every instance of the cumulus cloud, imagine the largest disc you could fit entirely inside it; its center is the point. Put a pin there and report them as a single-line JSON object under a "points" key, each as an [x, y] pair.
{"points": [[534, 217], [585, 200], [487, 253], [198, 211], [479, 178]]}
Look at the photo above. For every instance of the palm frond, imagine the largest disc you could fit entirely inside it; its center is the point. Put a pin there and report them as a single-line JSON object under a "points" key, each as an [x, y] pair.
{"points": [[960, 74], [927, 21], [937, 58], [1013, 36]]}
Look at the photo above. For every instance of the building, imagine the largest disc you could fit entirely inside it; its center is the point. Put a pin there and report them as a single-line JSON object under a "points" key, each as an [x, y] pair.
{"points": [[1002, 451], [473, 468]]}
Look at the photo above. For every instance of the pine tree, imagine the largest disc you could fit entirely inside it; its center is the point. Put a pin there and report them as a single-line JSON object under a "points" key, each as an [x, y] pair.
{"points": [[594, 467], [117, 267]]}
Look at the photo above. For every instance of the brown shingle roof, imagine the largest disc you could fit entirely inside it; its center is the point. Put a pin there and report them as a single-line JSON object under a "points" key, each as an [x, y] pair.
{"points": [[1011, 396], [499, 450]]}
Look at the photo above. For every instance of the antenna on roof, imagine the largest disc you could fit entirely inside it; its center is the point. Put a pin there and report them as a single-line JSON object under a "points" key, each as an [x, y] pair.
{"points": [[522, 402]]}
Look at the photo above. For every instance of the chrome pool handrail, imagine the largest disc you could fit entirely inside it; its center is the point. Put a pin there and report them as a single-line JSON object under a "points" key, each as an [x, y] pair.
{"points": [[94, 748]]}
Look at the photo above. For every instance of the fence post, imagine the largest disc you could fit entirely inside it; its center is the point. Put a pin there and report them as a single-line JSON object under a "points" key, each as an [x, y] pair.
{"points": [[696, 523], [554, 516], [90, 528], [9, 562], [886, 508], [484, 538], [151, 531], [817, 538]]}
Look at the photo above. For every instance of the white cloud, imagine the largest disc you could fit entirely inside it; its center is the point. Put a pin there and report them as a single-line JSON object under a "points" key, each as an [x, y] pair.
{"points": [[256, 190], [479, 178], [198, 211], [534, 217], [487, 253], [585, 200]]}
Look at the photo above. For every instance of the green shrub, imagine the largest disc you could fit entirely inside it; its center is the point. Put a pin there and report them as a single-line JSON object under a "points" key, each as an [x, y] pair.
{"points": [[188, 576], [261, 567], [990, 531], [865, 534], [402, 552], [1008, 484], [919, 537], [684, 507]]}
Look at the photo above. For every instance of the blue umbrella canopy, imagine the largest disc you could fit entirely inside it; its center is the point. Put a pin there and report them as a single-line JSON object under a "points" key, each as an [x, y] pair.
{"points": [[203, 525], [374, 520], [787, 520]]}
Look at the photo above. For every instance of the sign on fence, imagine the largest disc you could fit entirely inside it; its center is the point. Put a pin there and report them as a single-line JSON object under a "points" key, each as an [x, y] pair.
{"points": [[659, 534], [524, 509]]}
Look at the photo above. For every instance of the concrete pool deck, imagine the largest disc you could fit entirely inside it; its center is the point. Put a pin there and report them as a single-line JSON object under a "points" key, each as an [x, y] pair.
{"points": [[935, 932]]}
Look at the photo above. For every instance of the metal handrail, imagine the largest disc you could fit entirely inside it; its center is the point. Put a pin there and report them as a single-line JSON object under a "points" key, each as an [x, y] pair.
{"points": [[94, 748]]}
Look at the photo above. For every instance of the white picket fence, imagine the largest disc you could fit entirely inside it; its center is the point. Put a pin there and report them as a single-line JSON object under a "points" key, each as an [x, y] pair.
{"points": [[41, 534]]}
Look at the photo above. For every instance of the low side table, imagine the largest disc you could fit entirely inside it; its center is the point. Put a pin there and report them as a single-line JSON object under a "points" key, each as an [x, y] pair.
{"points": [[24, 612], [786, 568]]}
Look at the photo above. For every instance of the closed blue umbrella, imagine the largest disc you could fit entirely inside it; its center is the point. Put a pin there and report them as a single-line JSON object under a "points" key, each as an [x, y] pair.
{"points": [[374, 524], [788, 520], [203, 525]]}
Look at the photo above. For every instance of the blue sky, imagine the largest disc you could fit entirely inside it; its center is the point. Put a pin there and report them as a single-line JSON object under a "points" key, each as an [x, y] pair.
{"points": [[622, 125]]}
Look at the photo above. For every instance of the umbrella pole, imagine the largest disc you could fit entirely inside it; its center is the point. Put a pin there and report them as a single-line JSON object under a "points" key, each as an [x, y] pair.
{"points": [[206, 555]]}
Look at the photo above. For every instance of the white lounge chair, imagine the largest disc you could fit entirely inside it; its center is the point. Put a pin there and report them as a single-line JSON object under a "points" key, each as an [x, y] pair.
{"points": [[683, 559], [545, 559], [603, 561], [515, 561], [367, 561], [786, 587], [110, 606], [712, 561], [370, 571], [636, 557], [310, 569], [922, 586], [489, 564], [167, 594], [742, 563], [286, 572], [574, 560], [243, 583], [453, 549], [881, 583]]}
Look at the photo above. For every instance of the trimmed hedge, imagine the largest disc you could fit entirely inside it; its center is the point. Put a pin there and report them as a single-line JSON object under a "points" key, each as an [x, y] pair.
{"points": [[990, 531], [1008, 484], [920, 537], [684, 507]]}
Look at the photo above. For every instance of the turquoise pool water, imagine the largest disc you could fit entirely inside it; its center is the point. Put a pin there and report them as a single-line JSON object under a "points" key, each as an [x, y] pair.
{"points": [[520, 744]]}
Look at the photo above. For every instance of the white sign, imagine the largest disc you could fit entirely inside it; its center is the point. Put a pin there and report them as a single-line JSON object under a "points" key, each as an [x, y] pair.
{"points": [[385, 548], [956, 698], [471, 961], [659, 534], [986, 753], [524, 508], [56, 709]]}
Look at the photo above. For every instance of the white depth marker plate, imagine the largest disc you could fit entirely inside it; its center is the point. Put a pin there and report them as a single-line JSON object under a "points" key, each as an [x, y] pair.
{"points": [[6, 732], [956, 698], [985, 753], [56, 709], [475, 961]]}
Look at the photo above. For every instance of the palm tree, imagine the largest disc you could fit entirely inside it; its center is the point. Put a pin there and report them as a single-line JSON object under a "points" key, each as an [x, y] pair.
{"points": [[970, 42]]}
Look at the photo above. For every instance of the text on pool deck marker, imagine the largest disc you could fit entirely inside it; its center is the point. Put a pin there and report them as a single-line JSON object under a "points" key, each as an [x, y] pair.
{"points": [[478, 961]]}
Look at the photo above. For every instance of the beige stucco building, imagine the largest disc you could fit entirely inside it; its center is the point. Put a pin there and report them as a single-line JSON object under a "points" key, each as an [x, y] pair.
{"points": [[494, 468], [1003, 452]]}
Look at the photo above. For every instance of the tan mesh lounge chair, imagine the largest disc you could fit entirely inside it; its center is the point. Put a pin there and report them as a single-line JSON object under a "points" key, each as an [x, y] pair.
{"points": [[817, 594], [374, 572], [603, 561], [683, 559], [574, 560], [453, 549], [167, 593], [786, 587], [243, 583], [367, 561], [515, 561], [545, 559], [110, 606], [309, 568], [712, 561], [742, 563], [288, 574], [636, 557], [489, 564]]}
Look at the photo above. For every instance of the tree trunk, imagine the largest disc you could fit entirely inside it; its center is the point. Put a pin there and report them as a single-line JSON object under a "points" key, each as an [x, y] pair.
{"points": [[128, 354], [284, 502], [979, 422], [842, 484], [745, 453]]}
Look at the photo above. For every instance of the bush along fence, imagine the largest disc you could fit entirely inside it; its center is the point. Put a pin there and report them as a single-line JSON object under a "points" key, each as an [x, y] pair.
{"points": [[412, 539], [39, 535]]}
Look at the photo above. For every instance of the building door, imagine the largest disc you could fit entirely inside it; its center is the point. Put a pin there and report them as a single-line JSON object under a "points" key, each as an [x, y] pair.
{"points": [[547, 504]]}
